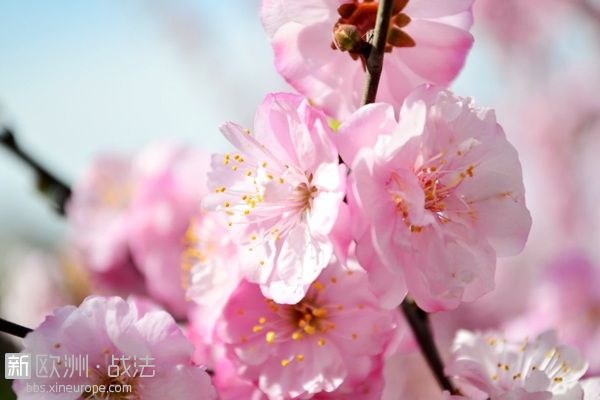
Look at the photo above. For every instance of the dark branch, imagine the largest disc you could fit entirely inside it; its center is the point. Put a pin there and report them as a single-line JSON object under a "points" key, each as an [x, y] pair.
{"points": [[55, 189], [590, 10], [419, 323], [374, 62], [13, 329]]}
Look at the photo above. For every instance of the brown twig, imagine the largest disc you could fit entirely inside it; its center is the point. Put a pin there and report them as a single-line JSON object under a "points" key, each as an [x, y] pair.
{"points": [[374, 62], [421, 327], [13, 329], [55, 189], [590, 11]]}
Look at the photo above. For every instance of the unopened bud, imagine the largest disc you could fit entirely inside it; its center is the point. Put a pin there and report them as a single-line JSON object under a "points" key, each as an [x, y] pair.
{"points": [[346, 37]]}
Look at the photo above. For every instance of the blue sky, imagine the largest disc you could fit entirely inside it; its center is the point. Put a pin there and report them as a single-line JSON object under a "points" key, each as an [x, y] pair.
{"points": [[78, 78]]}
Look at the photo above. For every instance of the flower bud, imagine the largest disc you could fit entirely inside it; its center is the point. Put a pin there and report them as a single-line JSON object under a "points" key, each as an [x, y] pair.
{"points": [[346, 37]]}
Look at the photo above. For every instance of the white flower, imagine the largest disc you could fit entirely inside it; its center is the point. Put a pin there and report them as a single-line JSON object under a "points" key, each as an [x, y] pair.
{"points": [[488, 366]]}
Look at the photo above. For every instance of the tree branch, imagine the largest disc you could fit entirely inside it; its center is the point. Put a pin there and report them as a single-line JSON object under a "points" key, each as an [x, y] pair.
{"points": [[55, 189], [421, 327], [589, 10], [417, 318], [13, 329], [374, 62]]}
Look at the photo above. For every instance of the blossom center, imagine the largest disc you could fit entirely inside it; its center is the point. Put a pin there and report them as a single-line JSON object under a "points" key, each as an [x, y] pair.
{"points": [[357, 21], [439, 184], [307, 317], [115, 194], [434, 190], [303, 195]]}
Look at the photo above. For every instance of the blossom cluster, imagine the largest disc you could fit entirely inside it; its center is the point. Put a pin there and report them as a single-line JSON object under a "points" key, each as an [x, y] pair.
{"points": [[287, 258]]}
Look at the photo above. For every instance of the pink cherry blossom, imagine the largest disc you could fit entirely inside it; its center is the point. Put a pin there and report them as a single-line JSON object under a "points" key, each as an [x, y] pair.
{"points": [[365, 384], [97, 212], [114, 335], [210, 351], [171, 187], [487, 366], [211, 267], [428, 43], [318, 345], [435, 198], [129, 216], [282, 193], [211, 259]]}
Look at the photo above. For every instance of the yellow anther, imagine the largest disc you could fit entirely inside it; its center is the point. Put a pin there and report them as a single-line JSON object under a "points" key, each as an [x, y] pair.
{"points": [[296, 336], [319, 312], [262, 320], [309, 329], [257, 328], [470, 170], [321, 342], [270, 337], [299, 357]]}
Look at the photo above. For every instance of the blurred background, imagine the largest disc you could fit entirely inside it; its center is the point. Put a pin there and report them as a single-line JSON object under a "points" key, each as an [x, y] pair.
{"points": [[82, 78]]}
